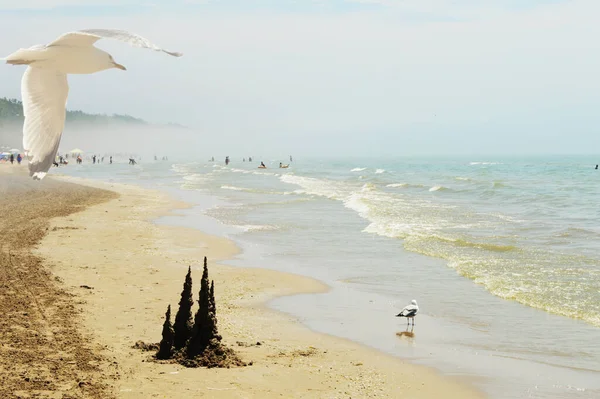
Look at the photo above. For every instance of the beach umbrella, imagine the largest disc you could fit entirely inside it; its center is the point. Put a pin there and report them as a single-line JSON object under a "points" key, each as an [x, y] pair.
{"points": [[76, 151]]}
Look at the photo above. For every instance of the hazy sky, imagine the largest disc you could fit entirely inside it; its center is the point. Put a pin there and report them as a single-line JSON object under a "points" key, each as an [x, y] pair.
{"points": [[340, 76]]}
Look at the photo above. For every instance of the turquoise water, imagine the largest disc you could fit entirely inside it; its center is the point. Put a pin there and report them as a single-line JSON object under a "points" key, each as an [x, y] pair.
{"points": [[502, 253]]}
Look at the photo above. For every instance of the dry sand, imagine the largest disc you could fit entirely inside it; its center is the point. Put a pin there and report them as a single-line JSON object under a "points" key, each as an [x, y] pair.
{"points": [[123, 271]]}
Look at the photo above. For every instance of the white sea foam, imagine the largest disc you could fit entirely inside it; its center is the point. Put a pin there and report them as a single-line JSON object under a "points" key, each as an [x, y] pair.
{"points": [[378, 171], [179, 168], [323, 188], [240, 171], [252, 190], [184, 168], [485, 163], [295, 192], [507, 218], [357, 169], [234, 188], [256, 227], [196, 177], [368, 187], [265, 173], [356, 203], [397, 185]]}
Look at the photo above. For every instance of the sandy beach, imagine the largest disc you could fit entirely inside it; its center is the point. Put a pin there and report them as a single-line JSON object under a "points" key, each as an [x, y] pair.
{"points": [[93, 275], [43, 350]]}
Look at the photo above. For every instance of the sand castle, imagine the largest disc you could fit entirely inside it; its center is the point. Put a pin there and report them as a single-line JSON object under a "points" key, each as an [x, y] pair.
{"points": [[196, 344]]}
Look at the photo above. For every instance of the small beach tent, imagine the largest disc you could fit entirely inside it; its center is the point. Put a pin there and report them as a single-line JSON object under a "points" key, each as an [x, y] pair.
{"points": [[76, 151]]}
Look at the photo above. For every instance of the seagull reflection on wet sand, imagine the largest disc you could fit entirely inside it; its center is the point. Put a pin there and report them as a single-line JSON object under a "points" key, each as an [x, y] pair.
{"points": [[408, 334]]}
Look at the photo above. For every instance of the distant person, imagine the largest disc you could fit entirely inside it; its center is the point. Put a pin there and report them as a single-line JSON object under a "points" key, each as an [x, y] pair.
{"points": [[12, 158], [110, 159], [250, 159], [102, 159], [20, 158], [596, 166], [227, 160], [290, 158], [132, 161], [93, 159], [244, 160], [262, 165]]}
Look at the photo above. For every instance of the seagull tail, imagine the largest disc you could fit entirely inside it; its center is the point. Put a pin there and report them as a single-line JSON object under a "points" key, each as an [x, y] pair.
{"points": [[39, 175], [400, 315], [25, 56]]}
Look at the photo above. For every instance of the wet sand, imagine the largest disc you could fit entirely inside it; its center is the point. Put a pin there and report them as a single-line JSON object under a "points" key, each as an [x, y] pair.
{"points": [[117, 272]]}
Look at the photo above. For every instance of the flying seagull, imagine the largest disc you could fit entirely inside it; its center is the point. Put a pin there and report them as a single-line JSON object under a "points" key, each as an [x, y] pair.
{"points": [[409, 312], [44, 87]]}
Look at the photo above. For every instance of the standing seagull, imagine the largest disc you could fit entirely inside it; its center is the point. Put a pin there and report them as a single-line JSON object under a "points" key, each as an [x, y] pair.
{"points": [[44, 87], [410, 312]]}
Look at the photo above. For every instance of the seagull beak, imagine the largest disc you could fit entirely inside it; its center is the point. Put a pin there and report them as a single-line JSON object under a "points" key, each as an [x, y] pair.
{"points": [[119, 66]]}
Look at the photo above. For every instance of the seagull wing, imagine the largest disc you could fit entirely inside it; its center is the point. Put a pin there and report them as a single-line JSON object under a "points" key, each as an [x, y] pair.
{"points": [[88, 37], [408, 311], [44, 94]]}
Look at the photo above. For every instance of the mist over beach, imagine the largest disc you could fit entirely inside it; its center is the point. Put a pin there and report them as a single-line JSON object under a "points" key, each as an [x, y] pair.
{"points": [[314, 167]]}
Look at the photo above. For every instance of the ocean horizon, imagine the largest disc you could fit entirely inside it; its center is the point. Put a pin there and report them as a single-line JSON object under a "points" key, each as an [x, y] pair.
{"points": [[500, 251]]}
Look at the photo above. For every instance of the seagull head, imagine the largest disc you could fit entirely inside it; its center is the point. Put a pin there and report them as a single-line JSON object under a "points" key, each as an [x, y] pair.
{"points": [[113, 63], [413, 302]]}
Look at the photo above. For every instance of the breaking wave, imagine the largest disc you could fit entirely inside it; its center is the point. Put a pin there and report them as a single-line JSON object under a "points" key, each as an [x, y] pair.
{"points": [[438, 188]]}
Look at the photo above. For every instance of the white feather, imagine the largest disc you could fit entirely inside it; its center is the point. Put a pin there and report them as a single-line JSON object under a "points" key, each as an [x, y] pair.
{"points": [[44, 94], [87, 37]]}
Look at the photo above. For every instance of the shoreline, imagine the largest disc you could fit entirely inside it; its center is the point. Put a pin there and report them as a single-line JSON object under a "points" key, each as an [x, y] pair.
{"points": [[125, 225]]}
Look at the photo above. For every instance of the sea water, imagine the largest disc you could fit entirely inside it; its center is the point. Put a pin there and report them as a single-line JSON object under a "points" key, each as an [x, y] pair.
{"points": [[502, 254]]}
